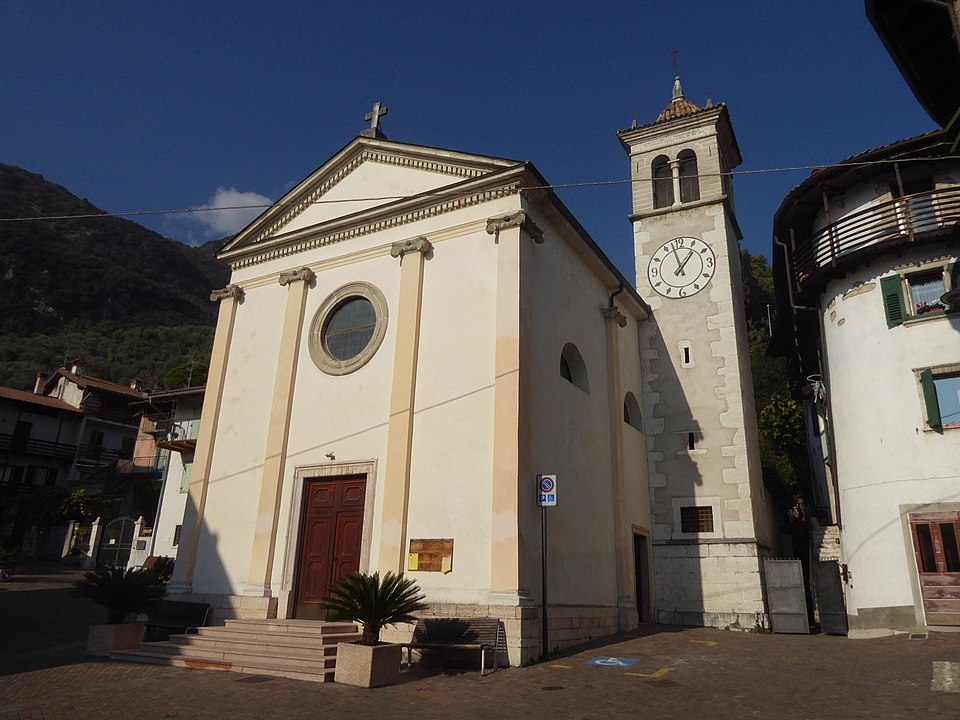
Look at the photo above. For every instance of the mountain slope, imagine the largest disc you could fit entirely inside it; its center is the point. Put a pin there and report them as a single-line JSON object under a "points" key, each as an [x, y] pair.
{"points": [[101, 288]]}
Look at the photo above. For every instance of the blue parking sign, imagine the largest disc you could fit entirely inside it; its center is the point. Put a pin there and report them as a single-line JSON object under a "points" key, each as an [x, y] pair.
{"points": [[547, 490]]}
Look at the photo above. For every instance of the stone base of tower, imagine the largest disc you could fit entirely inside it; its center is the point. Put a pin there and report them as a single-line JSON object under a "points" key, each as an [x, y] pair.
{"points": [[714, 584]]}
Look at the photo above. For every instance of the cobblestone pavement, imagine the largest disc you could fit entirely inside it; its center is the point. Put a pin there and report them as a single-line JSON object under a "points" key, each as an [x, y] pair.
{"points": [[691, 672]]}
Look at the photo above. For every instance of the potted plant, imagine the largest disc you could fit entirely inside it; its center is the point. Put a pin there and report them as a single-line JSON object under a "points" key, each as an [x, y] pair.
{"points": [[121, 592], [374, 602]]}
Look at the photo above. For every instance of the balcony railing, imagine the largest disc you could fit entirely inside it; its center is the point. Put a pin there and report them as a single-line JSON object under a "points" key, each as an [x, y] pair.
{"points": [[179, 435], [34, 446], [145, 463], [877, 228]]}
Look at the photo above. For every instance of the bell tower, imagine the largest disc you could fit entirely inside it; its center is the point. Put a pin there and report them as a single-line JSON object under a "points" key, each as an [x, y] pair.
{"points": [[710, 519]]}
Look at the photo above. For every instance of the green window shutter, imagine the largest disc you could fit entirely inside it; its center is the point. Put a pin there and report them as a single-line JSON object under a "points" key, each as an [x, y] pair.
{"points": [[953, 272], [893, 304], [188, 471], [930, 398]]}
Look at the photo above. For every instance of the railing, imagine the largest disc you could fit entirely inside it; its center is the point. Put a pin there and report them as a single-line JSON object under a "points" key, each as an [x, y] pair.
{"points": [[145, 463], [902, 220], [100, 454], [34, 446], [168, 429]]}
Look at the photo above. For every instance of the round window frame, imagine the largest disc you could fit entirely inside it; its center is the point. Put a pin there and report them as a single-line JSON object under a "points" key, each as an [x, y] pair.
{"points": [[318, 353]]}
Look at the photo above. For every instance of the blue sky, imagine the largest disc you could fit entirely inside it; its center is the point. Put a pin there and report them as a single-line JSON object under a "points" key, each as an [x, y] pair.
{"points": [[152, 106]]}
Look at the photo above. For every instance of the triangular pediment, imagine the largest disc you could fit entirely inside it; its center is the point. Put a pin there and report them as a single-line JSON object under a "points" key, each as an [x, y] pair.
{"points": [[366, 174]]}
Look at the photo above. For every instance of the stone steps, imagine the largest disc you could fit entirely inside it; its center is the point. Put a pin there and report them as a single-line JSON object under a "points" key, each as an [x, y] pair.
{"points": [[298, 649]]}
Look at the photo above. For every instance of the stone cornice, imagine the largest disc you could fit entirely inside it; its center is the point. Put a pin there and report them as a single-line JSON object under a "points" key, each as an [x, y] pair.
{"points": [[613, 313], [518, 219], [420, 245], [303, 274], [307, 238], [230, 291], [297, 206]]}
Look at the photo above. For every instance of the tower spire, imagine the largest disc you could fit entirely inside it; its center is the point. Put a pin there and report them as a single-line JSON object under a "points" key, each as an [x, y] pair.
{"points": [[677, 89]]}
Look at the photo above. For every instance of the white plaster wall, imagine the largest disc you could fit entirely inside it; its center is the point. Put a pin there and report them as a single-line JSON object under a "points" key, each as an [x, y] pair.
{"points": [[453, 424], [885, 455], [569, 429], [452, 463], [173, 501], [223, 557]]}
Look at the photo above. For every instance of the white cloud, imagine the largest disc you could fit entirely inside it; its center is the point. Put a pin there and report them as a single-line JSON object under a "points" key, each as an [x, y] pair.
{"points": [[240, 208]]}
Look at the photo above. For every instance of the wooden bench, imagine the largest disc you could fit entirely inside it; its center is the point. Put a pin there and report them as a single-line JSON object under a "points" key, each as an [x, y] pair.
{"points": [[481, 634], [162, 565], [174, 617]]}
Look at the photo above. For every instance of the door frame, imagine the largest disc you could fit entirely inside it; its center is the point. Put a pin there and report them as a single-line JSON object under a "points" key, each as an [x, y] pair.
{"points": [[365, 468], [646, 606], [907, 513]]}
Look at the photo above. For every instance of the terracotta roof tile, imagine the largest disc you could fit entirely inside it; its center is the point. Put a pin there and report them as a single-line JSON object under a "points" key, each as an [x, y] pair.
{"points": [[30, 397], [681, 107], [84, 381]]}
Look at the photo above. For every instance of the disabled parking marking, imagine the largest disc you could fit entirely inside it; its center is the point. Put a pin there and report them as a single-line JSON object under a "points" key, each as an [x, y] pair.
{"points": [[612, 662], [946, 677], [658, 674]]}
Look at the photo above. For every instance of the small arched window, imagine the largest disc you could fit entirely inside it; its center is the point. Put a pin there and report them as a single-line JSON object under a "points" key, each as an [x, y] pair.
{"points": [[572, 367], [631, 411], [689, 180], [662, 182]]}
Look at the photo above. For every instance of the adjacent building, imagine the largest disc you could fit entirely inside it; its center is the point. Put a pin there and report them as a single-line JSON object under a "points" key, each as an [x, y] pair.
{"points": [[868, 281]]}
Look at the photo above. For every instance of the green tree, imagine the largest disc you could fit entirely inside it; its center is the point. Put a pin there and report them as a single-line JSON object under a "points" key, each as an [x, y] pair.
{"points": [[779, 415]]}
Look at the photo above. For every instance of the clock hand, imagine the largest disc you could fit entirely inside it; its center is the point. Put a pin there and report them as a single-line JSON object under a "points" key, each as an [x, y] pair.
{"points": [[686, 260], [679, 270]]}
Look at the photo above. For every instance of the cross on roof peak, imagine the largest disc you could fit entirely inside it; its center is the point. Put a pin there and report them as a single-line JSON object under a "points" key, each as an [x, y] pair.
{"points": [[374, 117]]}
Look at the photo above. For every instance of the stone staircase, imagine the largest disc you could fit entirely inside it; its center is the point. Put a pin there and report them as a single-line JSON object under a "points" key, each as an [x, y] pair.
{"points": [[298, 649]]}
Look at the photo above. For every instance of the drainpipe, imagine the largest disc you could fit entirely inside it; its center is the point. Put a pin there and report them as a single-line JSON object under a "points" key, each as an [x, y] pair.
{"points": [[622, 322], [824, 368]]}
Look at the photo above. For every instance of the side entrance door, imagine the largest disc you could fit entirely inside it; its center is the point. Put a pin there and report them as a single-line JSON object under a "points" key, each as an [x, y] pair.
{"points": [[936, 542], [331, 534]]}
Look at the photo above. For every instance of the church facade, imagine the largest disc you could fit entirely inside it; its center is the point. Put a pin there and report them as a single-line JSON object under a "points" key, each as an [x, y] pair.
{"points": [[413, 336]]}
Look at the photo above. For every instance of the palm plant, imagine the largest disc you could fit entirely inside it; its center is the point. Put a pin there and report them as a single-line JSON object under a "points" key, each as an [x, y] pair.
{"points": [[121, 591], [373, 602]]}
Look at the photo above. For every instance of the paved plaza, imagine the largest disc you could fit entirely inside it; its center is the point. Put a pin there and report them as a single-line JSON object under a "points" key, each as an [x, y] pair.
{"points": [[678, 672]]}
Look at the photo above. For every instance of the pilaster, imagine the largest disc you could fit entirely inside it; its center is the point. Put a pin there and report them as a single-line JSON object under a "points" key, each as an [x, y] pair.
{"points": [[297, 283], [229, 298], [396, 492]]}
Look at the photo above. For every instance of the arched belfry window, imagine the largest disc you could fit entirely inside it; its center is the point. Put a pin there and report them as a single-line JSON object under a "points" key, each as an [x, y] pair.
{"points": [[662, 182], [572, 367], [631, 411], [689, 180]]}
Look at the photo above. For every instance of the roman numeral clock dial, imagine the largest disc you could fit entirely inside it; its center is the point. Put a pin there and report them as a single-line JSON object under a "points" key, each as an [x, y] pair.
{"points": [[681, 267]]}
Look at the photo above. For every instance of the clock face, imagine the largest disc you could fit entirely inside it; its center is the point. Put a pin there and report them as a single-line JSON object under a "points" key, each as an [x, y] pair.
{"points": [[681, 267]]}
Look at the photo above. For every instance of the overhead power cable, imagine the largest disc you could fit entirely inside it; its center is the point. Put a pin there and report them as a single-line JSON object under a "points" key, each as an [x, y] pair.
{"points": [[457, 193]]}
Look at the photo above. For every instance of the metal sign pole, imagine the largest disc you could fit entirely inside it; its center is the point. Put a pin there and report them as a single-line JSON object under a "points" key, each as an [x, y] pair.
{"points": [[546, 497], [543, 574]]}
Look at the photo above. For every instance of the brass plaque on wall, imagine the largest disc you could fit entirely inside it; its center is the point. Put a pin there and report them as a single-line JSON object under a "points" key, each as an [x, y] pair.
{"points": [[431, 555]]}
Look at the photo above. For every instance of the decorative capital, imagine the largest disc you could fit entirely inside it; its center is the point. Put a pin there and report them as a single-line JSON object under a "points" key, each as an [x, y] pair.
{"points": [[303, 274], [518, 219], [613, 313], [232, 291], [420, 245]]}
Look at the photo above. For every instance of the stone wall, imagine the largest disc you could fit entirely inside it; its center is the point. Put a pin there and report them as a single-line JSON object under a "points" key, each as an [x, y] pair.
{"points": [[716, 585]]}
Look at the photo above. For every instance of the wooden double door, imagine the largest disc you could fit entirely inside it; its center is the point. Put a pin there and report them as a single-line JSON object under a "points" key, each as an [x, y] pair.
{"points": [[331, 537], [936, 542]]}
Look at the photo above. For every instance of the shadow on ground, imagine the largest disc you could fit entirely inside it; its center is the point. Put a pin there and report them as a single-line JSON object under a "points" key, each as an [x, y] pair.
{"points": [[43, 625]]}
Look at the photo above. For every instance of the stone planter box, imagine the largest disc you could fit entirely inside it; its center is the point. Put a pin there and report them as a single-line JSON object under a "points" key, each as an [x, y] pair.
{"points": [[104, 639], [368, 666]]}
